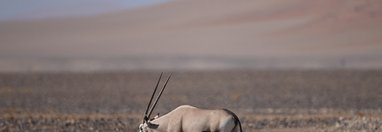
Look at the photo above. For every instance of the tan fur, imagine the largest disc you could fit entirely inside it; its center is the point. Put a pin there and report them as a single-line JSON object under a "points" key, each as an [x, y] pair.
{"points": [[187, 118]]}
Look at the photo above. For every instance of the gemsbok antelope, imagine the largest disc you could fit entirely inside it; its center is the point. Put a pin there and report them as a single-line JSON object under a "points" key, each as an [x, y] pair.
{"points": [[187, 118]]}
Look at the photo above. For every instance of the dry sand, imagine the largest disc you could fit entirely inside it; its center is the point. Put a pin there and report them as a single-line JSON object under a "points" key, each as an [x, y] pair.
{"points": [[198, 34]]}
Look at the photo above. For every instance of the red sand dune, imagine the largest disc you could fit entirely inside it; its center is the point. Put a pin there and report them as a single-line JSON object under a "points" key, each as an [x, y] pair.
{"points": [[203, 34]]}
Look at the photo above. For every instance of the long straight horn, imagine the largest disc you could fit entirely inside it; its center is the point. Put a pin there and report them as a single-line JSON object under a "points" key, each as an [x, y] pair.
{"points": [[151, 99], [156, 100]]}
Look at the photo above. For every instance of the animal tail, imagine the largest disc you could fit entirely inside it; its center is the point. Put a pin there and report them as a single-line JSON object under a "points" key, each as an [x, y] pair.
{"points": [[237, 120]]}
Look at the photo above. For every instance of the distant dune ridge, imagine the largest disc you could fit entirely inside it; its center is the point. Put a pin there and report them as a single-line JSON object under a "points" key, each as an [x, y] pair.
{"points": [[198, 34]]}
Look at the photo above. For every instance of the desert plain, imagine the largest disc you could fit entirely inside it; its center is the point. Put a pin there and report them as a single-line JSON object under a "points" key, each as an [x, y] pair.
{"points": [[281, 66], [267, 100]]}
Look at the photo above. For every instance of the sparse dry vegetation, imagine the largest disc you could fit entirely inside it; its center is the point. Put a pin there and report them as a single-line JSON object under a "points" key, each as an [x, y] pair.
{"points": [[332, 100]]}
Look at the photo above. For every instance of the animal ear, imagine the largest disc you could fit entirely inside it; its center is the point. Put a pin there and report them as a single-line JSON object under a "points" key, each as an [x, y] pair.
{"points": [[156, 116], [152, 126]]}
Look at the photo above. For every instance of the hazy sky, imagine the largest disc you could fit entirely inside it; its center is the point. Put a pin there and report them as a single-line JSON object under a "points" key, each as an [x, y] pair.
{"points": [[27, 9]]}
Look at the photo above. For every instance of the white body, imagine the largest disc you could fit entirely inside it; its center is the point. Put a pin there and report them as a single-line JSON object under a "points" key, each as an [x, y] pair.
{"points": [[187, 118]]}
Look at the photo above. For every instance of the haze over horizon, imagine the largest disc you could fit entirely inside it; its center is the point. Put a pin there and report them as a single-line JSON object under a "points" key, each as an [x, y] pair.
{"points": [[12, 10], [200, 35]]}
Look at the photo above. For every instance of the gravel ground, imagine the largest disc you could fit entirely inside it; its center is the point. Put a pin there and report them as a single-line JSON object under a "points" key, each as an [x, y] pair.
{"points": [[264, 100], [62, 122], [355, 124]]}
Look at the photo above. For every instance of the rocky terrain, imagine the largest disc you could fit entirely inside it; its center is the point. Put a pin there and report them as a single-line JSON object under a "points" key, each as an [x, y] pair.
{"points": [[265, 100], [128, 122]]}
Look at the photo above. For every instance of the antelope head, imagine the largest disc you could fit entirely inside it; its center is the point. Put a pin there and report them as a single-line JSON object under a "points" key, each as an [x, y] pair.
{"points": [[146, 124]]}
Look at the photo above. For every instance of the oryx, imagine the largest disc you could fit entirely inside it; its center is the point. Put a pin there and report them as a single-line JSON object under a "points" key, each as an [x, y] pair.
{"points": [[187, 118]]}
